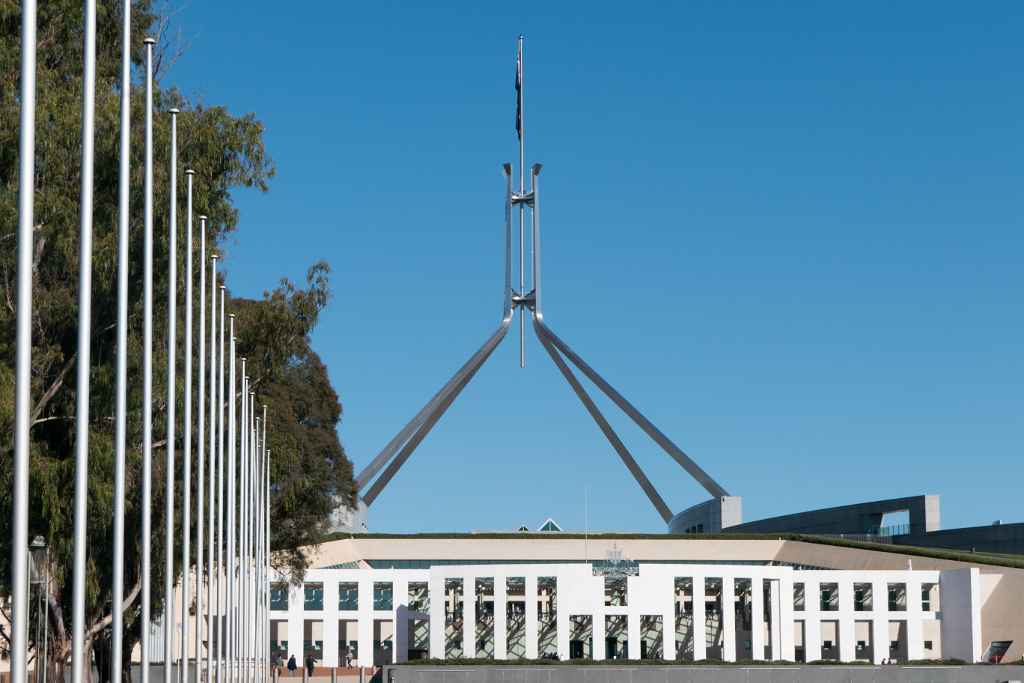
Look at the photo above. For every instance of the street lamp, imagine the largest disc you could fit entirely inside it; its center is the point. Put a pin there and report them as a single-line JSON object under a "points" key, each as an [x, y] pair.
{"points": [[41, 555]]}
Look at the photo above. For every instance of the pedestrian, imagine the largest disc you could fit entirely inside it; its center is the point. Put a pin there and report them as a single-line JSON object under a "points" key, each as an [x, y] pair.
{"points": [[291, 665], [309, 664]]}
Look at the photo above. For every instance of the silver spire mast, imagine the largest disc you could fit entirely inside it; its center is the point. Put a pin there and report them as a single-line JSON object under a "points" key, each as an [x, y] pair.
{"points": [[147, 375], [243, 429], [521, 129], [121, 417], [172, 348], [78, 662], [186, 487]]}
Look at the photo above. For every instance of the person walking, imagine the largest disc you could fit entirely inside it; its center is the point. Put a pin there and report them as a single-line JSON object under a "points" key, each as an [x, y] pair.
{"points": [[309, 664], [291, 665]]}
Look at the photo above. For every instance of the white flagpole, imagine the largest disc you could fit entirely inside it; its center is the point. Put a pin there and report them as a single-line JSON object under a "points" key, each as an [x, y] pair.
{"points": [[243, 428], [84, 340], [212, 571], [231, 500], [23, 347], [186, 487], [265, 533], [121, 417], [172, 346], [147, 375], [200, 455], [221, 565]]}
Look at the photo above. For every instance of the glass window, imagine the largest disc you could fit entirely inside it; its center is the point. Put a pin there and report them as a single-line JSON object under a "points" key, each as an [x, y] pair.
{"points": [[314, 596], [348, 595], [279, 596], [383, 595], [829, 597], [615, 591], [419, 596], [862, 599], [897, 597], [798, 597]]}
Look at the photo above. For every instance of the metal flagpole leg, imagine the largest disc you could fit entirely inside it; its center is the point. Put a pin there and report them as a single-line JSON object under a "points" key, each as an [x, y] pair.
{"points": [[244, 438], [78, 662], [702, 477], [147, 376], [461, 378], [200, 454], [186, 487], [172, 345], [121, 416], [23, 347], [609, 433]]}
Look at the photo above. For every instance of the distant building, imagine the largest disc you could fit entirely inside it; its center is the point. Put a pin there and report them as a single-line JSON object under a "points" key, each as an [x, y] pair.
{"points": [[374, 599]]}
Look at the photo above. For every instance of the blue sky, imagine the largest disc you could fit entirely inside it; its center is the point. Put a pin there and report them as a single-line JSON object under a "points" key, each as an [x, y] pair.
{"points": [[790, 233]]}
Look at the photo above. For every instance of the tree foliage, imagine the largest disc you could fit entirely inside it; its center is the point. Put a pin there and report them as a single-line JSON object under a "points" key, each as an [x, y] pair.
{"points": [[227, 152]]}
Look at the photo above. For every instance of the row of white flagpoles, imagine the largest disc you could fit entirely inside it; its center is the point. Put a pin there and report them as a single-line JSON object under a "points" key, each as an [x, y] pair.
{"points": [[235, 620]]}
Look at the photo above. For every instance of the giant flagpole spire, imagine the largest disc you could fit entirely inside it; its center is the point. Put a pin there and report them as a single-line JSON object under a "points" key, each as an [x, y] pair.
{"points": [[375, 477]]}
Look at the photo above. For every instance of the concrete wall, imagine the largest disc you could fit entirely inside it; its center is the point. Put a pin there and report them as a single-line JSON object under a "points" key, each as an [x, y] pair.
{"points": [[996, 538], [701, 674], [860, 518], [711, 516]]}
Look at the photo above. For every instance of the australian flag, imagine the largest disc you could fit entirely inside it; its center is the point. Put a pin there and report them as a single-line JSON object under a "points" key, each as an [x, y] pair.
{"points": [[519, 91]]}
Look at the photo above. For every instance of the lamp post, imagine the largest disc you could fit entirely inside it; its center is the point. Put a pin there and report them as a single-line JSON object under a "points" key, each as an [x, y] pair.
{"points": [[39, 549]]}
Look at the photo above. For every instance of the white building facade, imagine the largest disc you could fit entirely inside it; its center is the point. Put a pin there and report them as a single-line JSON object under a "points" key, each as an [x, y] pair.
{"points": [[634, 610]]}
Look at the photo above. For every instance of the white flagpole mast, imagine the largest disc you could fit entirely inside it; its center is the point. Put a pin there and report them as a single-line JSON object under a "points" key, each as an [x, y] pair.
{"points": [[121, 418], [243, 445], [172, 346], [23, 347], [231, 500], [212, 571], [186, 488], [221, 571], [84, 341], [200, 455], [521, 114], [147, 374]]}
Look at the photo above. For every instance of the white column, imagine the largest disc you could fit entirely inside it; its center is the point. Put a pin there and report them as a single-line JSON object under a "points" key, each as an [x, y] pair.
{"points": [[633, 634], [668, 629], [847, 630], [599, 631], [729, 618], [812, 619], [501, 617], [757, 617], [330, 627], [775, 605], [787, 646], [531, 617], [562, 625], [435, 590], [469, 616], [400, 623], [699, 641], [296, 621], [365, 626], [915, 636], [880, 637]]}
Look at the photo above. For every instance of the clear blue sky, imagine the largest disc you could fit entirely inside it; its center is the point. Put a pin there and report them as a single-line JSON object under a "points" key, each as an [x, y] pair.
{"points": [[791, 233]]}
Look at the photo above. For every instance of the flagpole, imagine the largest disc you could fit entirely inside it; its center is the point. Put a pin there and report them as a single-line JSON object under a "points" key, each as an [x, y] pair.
{"points": [[221, 571], [186, 488], [522, 207], [172, 346], [243, 445], [121, 417], [23, 347], [231, 500], [147, 374], [84, 340], [200, 455], [212, 570]]}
